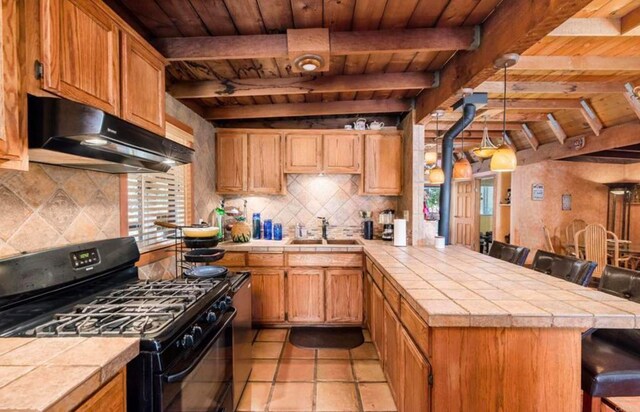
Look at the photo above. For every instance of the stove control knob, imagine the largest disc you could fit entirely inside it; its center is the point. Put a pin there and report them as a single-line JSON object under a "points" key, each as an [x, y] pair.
{"points": [[228, 300], [187, 341], [211, 316], [196, 331], [222, 306]]}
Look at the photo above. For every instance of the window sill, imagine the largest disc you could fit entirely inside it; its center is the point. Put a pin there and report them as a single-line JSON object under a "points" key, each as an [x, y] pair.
{"points": [[157, 252]]}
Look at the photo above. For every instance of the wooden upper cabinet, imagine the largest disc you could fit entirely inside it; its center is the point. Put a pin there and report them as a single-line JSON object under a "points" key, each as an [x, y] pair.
{"points": [[80, 52], [267, 297], [305, 295], [382, 164], [342, 153], [143, 95], [266, 175], [343, 295], [231, 162], [303, 153], [12, 145]]}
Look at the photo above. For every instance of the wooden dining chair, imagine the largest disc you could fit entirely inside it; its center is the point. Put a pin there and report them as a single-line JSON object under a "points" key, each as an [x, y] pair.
{"points": [[596, 249], [574, 227], [548, 242]]}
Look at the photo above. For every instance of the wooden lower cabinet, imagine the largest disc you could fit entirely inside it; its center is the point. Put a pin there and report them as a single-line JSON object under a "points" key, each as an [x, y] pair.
{"points": [[268, 295], [377, 319], [367, 300], [392, 361], [415, 392], [112, 397], [343, 302], [305, 295]]}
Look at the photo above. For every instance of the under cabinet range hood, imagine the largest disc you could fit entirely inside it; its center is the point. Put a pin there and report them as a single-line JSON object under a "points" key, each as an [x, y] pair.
{"points": [[65, 133]]}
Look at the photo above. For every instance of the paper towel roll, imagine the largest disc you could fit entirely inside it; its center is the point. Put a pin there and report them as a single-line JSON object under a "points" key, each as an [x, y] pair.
{"points": [[399, 232], [439, 242]]}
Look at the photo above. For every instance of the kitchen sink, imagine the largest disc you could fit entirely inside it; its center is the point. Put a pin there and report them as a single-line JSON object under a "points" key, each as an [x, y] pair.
{"points": [[342, 242], [306, 242]]}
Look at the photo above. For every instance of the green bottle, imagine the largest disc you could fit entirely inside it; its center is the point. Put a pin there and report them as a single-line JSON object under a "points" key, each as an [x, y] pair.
{"points": [[219, 219]]}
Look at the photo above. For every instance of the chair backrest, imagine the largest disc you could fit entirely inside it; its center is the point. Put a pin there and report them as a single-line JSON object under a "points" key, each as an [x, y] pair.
{"points": [[621, 282], [509, 253], [564, 267], [548, 243], [574, 227], [596, 246]]}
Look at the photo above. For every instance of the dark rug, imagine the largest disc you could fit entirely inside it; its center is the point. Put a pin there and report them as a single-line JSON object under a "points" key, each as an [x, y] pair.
{"points": [[326, 338]]}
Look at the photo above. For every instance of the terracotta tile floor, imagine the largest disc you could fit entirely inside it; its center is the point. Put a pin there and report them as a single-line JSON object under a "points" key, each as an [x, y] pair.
{"points": [[287, 378]]}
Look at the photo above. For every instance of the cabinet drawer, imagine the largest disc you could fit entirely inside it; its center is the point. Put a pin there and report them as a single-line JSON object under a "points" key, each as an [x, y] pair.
{"points": [[233, 259], [416, 327], [392, 295], [368, 264], [266, 259], [377, 276], [343, 260]]}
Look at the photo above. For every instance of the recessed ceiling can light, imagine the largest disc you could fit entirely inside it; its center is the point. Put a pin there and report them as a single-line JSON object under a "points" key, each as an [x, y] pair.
{"points": [[95, 141], [308, 62], [169, 162]]}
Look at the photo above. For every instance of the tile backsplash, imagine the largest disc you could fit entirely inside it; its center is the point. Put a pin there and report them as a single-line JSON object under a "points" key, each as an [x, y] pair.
{"points": [[52, 206], [309, 196]]}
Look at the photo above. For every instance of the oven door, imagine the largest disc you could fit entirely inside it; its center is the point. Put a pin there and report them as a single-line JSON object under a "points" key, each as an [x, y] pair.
{"points": [[202, 380]]}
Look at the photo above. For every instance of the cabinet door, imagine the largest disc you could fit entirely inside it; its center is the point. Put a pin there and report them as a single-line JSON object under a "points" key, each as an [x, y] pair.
{"points": [[142, 85], [12, 146], [110, 397], [265, 164], [80, 52], [382, 164], [392, 329], [377, 319], [344, 295], [303, 153], [267, 299], [367, 301], [231, 162], [416, 391], [342, 153], [305, 295]]}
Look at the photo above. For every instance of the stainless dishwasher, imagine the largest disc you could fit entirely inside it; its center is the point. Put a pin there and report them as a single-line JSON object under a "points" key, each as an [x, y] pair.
{"points": [[242, 333]]}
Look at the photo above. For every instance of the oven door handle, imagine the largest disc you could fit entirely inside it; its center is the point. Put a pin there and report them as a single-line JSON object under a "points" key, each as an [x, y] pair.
{"points": [[176, 377]]}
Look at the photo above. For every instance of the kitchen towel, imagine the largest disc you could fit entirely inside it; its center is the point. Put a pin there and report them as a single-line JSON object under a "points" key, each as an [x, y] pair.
{"points": [[399, 232]]}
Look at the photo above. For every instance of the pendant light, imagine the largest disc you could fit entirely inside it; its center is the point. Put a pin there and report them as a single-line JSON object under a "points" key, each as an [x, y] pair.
{"points": [[504, 158], [487, 148], [462, 168], [436, 174], [431, 156]]}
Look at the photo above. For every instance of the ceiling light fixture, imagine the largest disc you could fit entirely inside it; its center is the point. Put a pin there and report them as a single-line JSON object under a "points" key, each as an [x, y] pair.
{"points": [[486, 148], [462, 169], [308, 62], [504, 158], [436, 174], [431, 156]]}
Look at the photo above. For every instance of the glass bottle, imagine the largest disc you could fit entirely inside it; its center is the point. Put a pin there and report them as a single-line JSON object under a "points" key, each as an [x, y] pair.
{"points": [[219, 220], [257, 230]]}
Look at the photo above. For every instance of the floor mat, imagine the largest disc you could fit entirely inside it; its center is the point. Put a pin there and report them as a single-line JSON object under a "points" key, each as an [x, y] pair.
{"points": [[326, 338]]}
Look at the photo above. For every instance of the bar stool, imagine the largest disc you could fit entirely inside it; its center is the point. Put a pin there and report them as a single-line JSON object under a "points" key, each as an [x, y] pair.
{"points": [[611, 357], [509, 253], [564, 267]]}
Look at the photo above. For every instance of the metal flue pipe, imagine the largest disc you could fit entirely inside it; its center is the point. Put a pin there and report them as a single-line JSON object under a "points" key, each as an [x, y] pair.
{"points": [[468, 114]]}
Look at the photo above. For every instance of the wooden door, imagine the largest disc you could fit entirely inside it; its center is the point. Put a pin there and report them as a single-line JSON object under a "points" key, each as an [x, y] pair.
{"points": [[416, 391], [142, 85], [80, 52], [382, 164], [12, 145], [342, 153], [303, 153], [305, 295], [343, 295], [377, 319], [392, 366], [231, 162], [267, 299], [464, 215], [266, 175]]}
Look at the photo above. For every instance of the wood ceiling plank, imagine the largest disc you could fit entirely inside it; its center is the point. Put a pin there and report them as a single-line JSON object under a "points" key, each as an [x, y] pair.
{"points": [[307, 13], [153, 17], [246, 16], [551, 87], [632, 99], [307, 109], [491, 126], [215, 16], [338, 14], [536, 104], [578, 63], [276, 14], [596, 27], [535, 20], [426, 13], [367, 14], [184, 17], [630, 21]]}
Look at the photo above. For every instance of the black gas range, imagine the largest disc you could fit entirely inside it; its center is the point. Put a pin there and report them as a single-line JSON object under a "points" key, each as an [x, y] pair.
{"points": [[92, 289]]}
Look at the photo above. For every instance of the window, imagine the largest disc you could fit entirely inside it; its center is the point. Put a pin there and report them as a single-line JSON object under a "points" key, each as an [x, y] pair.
{"points": [[432, 202], [156, 196], [486, 200]]}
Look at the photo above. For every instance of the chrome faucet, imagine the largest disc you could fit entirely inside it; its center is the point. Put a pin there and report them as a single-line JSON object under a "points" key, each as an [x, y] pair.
{"points": [[325, 226]]}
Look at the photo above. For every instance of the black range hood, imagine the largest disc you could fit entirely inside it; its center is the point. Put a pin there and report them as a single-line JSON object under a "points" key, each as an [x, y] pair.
{"points": [[65, 133]]}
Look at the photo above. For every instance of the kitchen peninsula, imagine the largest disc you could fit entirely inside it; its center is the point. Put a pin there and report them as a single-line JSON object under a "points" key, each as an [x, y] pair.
{"points": [[479, 324]]}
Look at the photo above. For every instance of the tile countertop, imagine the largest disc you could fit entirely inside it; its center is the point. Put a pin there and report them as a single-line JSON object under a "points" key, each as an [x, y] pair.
{"points": [[457, 287], [58, 373]]}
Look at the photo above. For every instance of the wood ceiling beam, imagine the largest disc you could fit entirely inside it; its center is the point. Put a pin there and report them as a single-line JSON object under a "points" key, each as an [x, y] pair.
{"points": [[633, 100], [535, 19], [261, 111], [630, 22], [496, 87], [535, 104], [557, 130], [478, 126], [591, 117], [261, 46], [596, 27], [302, 85], [578, 63], [625, 134], [531, 138]]}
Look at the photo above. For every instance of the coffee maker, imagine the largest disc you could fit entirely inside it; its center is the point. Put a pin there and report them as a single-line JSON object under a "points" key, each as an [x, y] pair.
{"points": [[386, 220]]}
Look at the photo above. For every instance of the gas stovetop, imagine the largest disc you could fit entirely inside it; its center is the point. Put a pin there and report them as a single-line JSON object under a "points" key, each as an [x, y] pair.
{"points": [[138, 309]]}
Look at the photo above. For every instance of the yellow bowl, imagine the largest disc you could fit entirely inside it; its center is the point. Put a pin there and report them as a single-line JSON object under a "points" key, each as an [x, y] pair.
{"points": [[200, 231]]}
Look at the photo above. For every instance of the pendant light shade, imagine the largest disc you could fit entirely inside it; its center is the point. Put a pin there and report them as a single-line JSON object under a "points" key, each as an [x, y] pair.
{"points": [[487, 148], [436, 176], [462, 170], [504, 159], [430, 158]]}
